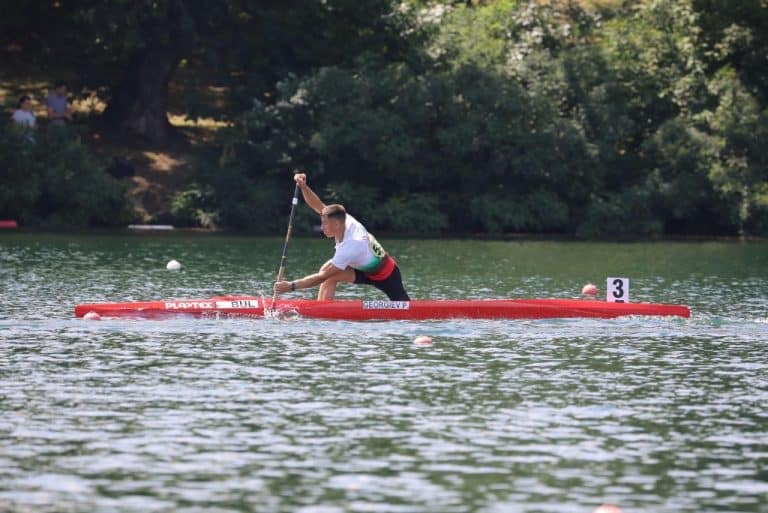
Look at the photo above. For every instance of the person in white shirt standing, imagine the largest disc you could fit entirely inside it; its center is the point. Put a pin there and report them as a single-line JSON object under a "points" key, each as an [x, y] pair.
{"points": [[23, 114], [359, 258]]}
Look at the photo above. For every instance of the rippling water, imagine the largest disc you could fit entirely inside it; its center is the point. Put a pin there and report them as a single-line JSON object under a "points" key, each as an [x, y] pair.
{"points": [[656, 415]]}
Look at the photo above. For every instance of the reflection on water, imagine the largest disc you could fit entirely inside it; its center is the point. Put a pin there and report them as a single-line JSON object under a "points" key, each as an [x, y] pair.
{"points": [[657, 415]]}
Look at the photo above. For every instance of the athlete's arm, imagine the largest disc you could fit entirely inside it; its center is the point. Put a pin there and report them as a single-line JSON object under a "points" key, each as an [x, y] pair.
{"points": [[310, 198], [308, 281]]}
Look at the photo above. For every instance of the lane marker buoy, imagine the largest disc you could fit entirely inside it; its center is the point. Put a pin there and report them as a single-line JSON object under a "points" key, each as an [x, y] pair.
{"points": [[422, 340], [608, 508]]}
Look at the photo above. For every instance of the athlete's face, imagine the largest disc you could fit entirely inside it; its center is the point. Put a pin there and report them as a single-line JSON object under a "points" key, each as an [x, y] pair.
{"points": [[330, 226]]}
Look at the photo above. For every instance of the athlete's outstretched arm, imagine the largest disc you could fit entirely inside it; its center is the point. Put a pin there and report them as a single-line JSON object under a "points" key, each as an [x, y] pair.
{"points": [[328, 271]]}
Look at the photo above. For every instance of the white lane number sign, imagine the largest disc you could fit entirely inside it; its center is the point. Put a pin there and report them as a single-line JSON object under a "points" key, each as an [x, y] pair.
{"points": [[617, 290]]}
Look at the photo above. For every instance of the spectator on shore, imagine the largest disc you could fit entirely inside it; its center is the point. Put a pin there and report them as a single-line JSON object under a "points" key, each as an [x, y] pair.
{"points": [[23, 114], [59, 110]]}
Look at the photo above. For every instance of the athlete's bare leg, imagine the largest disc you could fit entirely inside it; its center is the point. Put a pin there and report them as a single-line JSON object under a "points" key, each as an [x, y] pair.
{"points": [[327, 290]]}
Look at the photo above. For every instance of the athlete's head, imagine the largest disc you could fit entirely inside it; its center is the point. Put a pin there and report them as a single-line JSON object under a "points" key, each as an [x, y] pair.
{"points": [[332, 220]]}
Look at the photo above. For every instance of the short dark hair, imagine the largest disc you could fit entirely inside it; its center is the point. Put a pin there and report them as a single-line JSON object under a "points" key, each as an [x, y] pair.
{"points": [[59, 83], [335, 211], [23, 99]]}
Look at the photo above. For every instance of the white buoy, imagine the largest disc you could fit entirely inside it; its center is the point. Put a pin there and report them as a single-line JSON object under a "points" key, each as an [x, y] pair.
{"points": [[173, 265], [422, 340], [589, 290], [92, 316]]}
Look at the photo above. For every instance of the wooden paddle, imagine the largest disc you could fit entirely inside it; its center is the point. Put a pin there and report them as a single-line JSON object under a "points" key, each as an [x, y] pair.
{"points": [[281, 271]]}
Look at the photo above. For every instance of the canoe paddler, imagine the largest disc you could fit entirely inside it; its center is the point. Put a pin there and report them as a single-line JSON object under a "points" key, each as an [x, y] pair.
{"points": [[359, 258]]}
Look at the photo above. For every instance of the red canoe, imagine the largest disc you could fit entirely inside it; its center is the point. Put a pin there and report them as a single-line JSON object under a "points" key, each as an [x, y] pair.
{"points": [[250, 306]]}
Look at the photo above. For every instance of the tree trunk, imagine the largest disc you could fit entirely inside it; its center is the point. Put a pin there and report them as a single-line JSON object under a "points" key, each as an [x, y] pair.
{"points": [[139, 104]]}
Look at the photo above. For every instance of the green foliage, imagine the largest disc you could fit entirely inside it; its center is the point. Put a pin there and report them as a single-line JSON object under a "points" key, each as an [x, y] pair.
{"points": [[249, 204], [685, 197], [362, 201], [540, 211], [54, 181], [398, 134], [424, 116], [654, 53], [629, 213], [20, 188], [245, 46], [527, 118], [741, 172], [478, 36], [735, 36], [191, 207], [415, 213]]}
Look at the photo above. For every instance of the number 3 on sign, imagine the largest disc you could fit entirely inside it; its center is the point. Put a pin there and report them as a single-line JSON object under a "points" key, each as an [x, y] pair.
{"points": [[617, 290]]}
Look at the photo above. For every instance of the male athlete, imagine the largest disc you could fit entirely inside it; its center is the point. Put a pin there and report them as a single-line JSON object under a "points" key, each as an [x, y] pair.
{"points": [[359, 258]]}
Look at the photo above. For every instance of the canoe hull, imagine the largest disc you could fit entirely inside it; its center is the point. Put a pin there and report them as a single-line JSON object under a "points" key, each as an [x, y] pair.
{"points": [[251, 306]]}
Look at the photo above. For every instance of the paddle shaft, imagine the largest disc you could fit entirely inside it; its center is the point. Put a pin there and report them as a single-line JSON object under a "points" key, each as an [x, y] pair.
{"points": [[281, 271]]}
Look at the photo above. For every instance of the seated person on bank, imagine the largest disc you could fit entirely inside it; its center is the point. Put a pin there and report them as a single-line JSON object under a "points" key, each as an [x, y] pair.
{"points": [[23, 114]]}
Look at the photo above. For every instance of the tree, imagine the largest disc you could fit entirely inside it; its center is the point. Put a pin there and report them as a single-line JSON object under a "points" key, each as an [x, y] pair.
{"points": [[736, 36], [129, 50]]}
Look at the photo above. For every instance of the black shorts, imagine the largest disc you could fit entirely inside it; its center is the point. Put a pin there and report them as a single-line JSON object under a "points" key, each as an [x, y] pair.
{"points": [[392, 286]]}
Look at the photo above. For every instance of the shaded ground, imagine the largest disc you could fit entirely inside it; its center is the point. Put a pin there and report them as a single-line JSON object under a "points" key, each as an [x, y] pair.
{"points": [[158, 171]]}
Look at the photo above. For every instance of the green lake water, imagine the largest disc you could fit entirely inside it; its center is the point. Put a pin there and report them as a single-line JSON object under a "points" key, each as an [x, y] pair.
{"points": [[654, 414]]}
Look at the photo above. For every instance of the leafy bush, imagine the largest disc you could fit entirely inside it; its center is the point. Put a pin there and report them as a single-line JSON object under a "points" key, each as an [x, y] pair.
{"points": [[685, 196], [629, 213], [415, 213], [539, 211], [741, 171], [191, 207], [21, 187], [54, 181]]}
